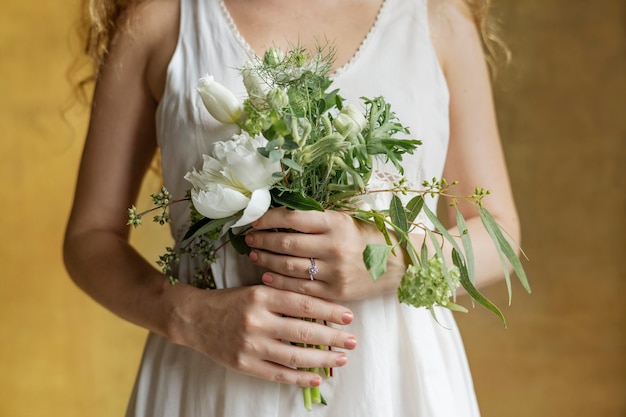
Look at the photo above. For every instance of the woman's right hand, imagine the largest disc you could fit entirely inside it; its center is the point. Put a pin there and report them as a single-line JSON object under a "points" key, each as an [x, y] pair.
{"points": [[246, 329]]}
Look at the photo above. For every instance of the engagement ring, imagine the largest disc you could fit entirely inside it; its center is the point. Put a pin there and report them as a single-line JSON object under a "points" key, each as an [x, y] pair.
{"points": [[313, 269]]}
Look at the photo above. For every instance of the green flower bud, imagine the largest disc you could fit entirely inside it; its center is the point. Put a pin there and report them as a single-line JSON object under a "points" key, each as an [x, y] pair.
{"points": [[273, 57]]}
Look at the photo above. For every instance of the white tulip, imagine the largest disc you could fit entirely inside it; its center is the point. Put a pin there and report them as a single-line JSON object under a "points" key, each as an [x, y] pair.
{"points": [[256, 87], [219, 100]]}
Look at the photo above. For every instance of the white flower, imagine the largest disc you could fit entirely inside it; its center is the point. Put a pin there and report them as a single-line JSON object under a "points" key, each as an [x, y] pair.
{"points": [[256, 87], [219, 100], [277, 98], [237, 177], [350, 121]]}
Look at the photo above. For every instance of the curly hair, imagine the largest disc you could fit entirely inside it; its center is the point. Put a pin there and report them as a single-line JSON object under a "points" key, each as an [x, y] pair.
{"points": [[99, 19], [495, 48]]}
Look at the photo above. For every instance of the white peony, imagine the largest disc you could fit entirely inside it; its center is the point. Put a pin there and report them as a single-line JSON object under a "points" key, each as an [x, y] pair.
{"points": [[237, 177]]}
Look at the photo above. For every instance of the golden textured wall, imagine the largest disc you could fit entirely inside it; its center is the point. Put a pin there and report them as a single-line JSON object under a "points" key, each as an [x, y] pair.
{"points": [[562, 110]]}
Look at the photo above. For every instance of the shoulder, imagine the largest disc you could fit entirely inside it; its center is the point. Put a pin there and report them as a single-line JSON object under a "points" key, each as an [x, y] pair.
{"points": [[453, 30], [148, 31]]}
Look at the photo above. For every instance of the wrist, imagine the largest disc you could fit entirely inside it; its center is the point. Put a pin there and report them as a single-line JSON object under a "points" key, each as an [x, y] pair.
{"points": [[179, 305]]}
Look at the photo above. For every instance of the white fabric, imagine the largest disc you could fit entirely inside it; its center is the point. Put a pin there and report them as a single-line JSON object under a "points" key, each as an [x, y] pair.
{"points": [[406, 364]]}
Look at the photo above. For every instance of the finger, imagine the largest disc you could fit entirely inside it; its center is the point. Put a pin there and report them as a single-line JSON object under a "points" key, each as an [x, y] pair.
{"points": [[310, 221], [310, 333], [298, 305], [292, 266], [294, 356], [285, 375], [314, 288]]}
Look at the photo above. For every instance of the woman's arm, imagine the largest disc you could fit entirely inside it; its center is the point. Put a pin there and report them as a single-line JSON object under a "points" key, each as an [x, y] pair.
{"points": [[241, 328], [474, 159], [475, 156]]}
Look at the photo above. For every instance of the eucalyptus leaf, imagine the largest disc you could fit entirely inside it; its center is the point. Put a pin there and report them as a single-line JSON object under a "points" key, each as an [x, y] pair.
{"points": [[455, 307], [195, 227], [275, 155], [289, 145], [239, 243], [375, 257], [466, 241], [504, 247], [471, 290], [290, 163], [382, 227], [441, 228], [295, 201], [413, 208], [206, 226], [398, 217]]}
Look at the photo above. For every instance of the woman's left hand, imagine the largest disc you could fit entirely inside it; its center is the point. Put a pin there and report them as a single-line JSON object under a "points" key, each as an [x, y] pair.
{"points": [[333, 241]]}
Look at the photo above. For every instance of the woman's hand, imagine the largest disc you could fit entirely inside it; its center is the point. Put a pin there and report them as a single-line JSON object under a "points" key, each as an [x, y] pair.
{"points": [[334, 240], [246, 329]]}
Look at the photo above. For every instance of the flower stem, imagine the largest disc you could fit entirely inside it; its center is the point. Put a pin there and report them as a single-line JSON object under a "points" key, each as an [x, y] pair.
{"points": [[306, 395]]}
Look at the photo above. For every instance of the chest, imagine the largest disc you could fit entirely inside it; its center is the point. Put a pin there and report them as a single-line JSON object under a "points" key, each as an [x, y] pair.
{"points": [[342, 23]]}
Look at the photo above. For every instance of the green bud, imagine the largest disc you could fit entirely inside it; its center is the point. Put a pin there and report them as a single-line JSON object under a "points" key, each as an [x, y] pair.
{"points": [[273, 57]]}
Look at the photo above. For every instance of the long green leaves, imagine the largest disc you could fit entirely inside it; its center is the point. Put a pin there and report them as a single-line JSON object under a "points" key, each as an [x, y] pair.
{"points": [[471, 289], [504, 250]]}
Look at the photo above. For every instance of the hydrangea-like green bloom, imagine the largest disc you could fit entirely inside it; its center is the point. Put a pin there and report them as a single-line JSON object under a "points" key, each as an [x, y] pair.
{"points": [[426, 285]]}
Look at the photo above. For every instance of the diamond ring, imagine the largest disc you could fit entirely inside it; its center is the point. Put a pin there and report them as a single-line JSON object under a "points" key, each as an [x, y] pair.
{"points": [[313, 269]]}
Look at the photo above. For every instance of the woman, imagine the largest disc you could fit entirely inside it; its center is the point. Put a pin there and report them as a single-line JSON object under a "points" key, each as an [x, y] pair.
{"points": [[219, 352]]}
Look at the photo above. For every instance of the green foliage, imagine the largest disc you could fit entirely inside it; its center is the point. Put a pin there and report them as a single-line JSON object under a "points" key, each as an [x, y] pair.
{"points": [[327, 151]]}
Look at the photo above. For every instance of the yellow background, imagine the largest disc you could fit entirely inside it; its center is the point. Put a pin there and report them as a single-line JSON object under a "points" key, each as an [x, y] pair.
{"points": [[562, 114]]}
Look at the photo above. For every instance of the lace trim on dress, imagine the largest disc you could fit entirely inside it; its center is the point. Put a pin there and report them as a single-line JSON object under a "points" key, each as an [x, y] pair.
{"points": [[355, 57]]}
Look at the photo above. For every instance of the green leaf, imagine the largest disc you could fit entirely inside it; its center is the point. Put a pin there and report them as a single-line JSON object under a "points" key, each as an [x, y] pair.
{"points": [[398, 217], [239, 243], [204, 226], [375, 258], [275, 155], [295, 201], [471, 290], [504, 250], [441, 228], [382, 227], [195, 227], [455, 307], [414, 207], [424, 254], [467, 245], [290, 163], [289, 145]]}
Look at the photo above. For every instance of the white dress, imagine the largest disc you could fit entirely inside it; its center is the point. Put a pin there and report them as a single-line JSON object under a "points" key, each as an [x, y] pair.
{"points": [[406, 364]]}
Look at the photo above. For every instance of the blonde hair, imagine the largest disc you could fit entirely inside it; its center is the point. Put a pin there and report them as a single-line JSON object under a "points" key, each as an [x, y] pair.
{"points": [[496, 50], [97, 26], [99, 19]]}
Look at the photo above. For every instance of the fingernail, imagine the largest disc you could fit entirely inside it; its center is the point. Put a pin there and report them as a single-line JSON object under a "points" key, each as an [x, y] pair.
{"points": [[341, 361], [347, 318], [316, 382], [267, 278], [248, 239], [253, 256], [350, 343]]}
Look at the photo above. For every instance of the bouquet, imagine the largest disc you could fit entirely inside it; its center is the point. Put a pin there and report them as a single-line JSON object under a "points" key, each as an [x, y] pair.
{"points": [[300, 146]]}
